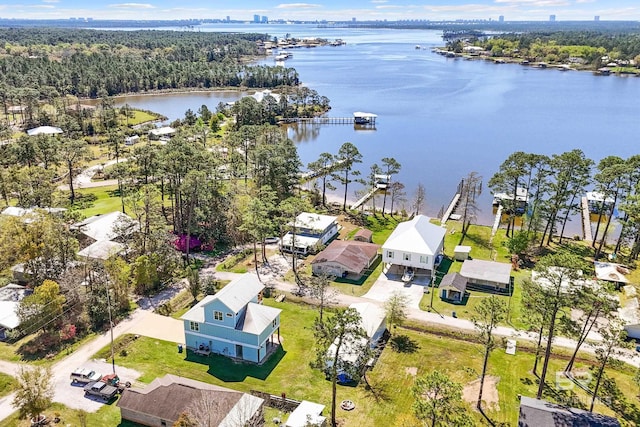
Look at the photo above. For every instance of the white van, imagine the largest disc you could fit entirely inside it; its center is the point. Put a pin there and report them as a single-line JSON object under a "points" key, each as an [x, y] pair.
{"points": [[84, 375]]}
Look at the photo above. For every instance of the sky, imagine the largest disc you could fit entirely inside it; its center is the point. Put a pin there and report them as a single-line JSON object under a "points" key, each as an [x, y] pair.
{"points": [[342, 10]]}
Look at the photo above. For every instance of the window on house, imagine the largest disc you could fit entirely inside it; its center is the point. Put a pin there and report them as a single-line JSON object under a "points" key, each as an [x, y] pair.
{"points": [[424, 259], [407, 257], [275, 322], [217, 315], [194, 326], [389, 254], [229, 315]]}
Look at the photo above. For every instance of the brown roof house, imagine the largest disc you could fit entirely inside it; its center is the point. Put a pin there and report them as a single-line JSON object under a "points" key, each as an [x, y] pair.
{"points": [[161, 403], [345, 259], [363, 235]]}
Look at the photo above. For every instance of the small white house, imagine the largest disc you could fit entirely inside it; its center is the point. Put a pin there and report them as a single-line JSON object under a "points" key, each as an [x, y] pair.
{"points": [[373, 320], [414, 244], [312, 230], [307, 414], [461, 253], [131, 140]]}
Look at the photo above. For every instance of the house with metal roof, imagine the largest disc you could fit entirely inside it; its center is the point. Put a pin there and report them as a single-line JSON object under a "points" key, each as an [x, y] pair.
{"points": [[10, 297], [234, 323], [44, 130], [453, 287], [163, 401], [342, 258], [538, 413], [307, 414], [99, 234], [487, 274], [414, 244], [309, 231]]}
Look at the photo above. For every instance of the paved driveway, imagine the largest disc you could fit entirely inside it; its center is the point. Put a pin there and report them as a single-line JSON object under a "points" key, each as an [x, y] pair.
{"points": [[384, 287], [160, 327]]}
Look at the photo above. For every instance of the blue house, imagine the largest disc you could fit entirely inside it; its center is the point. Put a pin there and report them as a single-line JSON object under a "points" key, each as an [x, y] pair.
{"points": [[233, 322]]}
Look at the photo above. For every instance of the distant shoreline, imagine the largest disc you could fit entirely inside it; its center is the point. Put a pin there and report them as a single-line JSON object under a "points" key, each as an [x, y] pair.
{"points": [[539, 64]]}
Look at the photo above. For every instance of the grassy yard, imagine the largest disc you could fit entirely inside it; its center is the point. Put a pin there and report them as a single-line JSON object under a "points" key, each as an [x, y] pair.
{"points": [[288, 372], [107, 200], [107, 416], [7, 384]]}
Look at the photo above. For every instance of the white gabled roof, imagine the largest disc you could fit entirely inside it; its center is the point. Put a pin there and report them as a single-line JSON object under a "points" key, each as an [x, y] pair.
{"points": [[163, 131], [240, 291], [258, 317], [101, 249], [314, 221], [102, 227], [237, 294], [196, 313], [372, 316], [418, 236], [44, 130]]}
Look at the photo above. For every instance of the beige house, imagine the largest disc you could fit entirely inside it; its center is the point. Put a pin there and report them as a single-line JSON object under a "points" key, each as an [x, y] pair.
{"points": [[345, 259]]}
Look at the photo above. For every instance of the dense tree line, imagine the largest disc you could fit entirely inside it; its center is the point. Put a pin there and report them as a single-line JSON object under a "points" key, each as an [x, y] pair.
{"points": [[589, 46], [43, 63]]}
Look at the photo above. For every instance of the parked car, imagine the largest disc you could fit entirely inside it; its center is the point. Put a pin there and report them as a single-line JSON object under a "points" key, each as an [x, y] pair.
{"points": [[101, 390], [271, 240], [84, 375]]}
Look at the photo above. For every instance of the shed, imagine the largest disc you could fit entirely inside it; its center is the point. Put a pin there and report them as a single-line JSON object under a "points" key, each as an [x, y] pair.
{"points": [[460, 253], [363, 235], [453, 287], [307, 414]]}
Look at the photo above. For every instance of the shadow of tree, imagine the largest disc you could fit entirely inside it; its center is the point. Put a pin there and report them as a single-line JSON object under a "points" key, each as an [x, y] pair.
{"points": [[403, 344]]}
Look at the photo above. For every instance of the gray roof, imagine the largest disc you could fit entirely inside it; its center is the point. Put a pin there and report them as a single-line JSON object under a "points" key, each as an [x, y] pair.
{"points": [[454, 282], [10, 297], [540, 413], [101, 249], [490, 271], [167, 397], [257, 317], [237, 294], [418, 236]]}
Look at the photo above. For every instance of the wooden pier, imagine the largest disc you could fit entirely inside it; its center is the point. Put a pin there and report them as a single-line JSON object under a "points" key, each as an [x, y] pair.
{"points": [[496, 222], [364, 120], [450, 209], [364, 198], [586, 220], [453, 205]]}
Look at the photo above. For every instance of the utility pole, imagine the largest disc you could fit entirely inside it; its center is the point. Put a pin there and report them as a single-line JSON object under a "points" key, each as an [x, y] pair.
{"points": [[113, 361]]}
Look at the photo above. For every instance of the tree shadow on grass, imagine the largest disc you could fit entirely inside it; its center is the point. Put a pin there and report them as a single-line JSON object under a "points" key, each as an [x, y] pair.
{"points": [[403, 344], [228, 370]]}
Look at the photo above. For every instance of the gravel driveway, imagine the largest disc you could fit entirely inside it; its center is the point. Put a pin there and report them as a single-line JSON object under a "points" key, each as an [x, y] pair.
{"points": [[72, 395]]}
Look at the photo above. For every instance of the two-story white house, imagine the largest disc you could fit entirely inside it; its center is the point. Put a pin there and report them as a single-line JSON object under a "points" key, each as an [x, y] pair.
{"points": [[312, 230], [233, 322], [413, 244]]}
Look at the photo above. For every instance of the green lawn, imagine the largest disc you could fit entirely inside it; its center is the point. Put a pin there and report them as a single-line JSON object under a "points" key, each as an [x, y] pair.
{"points": [[107, 416], [288, 370], [7, 384], [107, 200]]}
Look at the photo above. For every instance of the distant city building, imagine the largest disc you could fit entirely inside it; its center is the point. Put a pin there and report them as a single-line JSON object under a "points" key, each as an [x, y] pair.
{"points": [[228, 18], [552, 18], [265, 20], [596, 18], [353, 19], [501, 18], [256, 19]]}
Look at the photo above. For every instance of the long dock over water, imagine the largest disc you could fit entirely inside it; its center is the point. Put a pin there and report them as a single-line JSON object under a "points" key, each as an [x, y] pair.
{"points": [[586, 220], [320, 120]]}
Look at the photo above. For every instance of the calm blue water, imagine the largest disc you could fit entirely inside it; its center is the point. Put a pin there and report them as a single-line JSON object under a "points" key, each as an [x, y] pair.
{"points": [[442, 118]]}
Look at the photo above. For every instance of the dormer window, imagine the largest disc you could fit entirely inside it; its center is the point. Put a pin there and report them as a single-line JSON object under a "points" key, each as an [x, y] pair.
{"points": [[217, 315]]}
